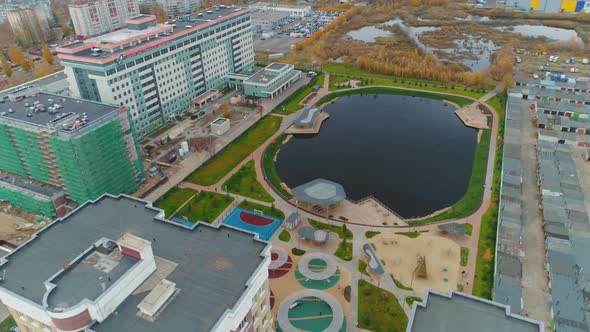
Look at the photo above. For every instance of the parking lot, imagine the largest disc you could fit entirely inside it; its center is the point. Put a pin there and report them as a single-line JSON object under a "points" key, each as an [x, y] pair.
{"points": [[280, 38]]}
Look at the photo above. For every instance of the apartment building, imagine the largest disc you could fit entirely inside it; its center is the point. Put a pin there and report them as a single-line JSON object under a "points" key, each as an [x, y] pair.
{"points": [[176, 7], [51, 145], [30, 25], [96, 17], [115, 264], [157, 70]]}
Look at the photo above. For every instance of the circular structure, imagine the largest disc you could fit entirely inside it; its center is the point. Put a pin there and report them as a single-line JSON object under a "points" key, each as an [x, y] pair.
{"points": [[281, 257], [414, 154], [297, 300], [316, 235], [325, 273], [255, 220], [320, 192], [280, 263]]}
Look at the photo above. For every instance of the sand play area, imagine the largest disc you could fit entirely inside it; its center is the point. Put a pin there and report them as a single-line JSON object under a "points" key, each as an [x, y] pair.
{"points": [[401, 254]]}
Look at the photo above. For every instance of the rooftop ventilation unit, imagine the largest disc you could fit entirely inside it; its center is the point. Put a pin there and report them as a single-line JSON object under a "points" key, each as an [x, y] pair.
{"points": [[156, 299]]}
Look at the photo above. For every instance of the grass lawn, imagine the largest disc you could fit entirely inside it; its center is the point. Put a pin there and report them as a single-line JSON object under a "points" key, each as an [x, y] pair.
{"points": [[291, 104], [298, 252], [471, 201], [206, 206], [411, 299], [344, 251], [363, 268], [268, 163], [332, 228], [268, 210], [381, 79], [379, 310], [399, 285], [464, 256], [285, 236], [173, 199], [484, 266], [370, 234], [244, 183], [225, 160], [7, 324], [393, 91], [468, 228], [411, 235]]}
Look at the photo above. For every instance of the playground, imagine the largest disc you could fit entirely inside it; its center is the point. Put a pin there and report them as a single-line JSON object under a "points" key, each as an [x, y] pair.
{"points": [[254, 221], [428, 261], [315, 312]]}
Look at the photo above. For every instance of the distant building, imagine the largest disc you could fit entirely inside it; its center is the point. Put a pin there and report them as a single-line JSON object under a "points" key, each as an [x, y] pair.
{"points": [[116, 264], [456, 311], [266, 21], [52, 144], [177, 7], [30, 25], [95, 17], [550, 6], [158, 70], [293, 10], [6, 6]]}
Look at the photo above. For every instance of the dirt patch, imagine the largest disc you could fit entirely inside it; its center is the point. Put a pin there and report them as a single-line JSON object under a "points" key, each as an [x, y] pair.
{"points": [[201, 143], [488, 255]]}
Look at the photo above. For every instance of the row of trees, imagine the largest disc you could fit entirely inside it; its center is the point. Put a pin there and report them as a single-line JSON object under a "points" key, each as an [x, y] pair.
{"points": [[18, 57]]}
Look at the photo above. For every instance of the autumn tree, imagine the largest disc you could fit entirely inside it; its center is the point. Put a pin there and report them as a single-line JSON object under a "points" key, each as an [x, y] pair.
{"points": [[160, 14], [43, 70], [6, 68], [47, 55], [225, 110], [16, 54]]}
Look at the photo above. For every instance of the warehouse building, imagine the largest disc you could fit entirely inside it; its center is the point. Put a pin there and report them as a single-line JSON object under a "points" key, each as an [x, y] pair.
{"points": [[292, 10], [266, 21], [115, 264], [157, 70], [550, 6], [51, 143]]}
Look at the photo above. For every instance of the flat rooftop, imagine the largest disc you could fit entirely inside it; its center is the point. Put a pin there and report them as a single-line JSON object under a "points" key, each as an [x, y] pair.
{"points": [[179, 27], [272, 15], [461, 312], [37, 187], [277, 66], [211, 271], [75, 108]]}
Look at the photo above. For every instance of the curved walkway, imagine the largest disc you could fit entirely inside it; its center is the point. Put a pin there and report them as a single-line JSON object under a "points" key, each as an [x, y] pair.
{"points": [[337, 312], [304, 262], [282, 257]]}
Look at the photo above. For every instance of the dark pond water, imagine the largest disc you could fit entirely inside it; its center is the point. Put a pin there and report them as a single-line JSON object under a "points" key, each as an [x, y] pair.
{"points": [[413, 154]]}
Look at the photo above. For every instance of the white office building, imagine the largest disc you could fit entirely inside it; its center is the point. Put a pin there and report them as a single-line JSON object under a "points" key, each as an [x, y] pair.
{"points": [[293, 10], [95, 17]]}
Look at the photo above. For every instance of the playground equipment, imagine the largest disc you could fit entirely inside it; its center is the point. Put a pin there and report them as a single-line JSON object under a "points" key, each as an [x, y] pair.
{"points": [[420, 270]]}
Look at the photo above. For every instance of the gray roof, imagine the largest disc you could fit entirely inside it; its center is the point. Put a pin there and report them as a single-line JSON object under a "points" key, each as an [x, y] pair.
{"points": [[318, 236], [76, 108], [307, 117], [292, 218], [36, 187], [320, 192], [461, 312], [206, 290]]}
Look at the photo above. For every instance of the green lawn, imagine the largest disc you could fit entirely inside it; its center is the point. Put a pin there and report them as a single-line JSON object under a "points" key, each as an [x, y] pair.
{"points": [[471, 201], [236, 151], [399, 285], [370, 234], [7, 324], [285, 236], [464, 256], [206, 206], [468, 228], [244, 183], [411, 299], [461, 101], [379, 310], [291, 103], [268, 163], [344, 251], [268, 210], [298, 252], [381, 79], [363, 268], [332, 228], [411, 235], [173, 199], [484, 266]]}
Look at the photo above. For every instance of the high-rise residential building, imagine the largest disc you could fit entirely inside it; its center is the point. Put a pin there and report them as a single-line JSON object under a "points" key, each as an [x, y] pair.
{"points": [[30, 25], [53, 145], [96, 17], [7, 5], [157, 70], [116, 264], [176, 7]]}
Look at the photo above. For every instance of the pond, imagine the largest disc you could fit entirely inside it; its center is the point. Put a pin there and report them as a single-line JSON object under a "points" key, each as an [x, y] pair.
{"points": [[541, 31], [368, 34], [413, 154]]}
